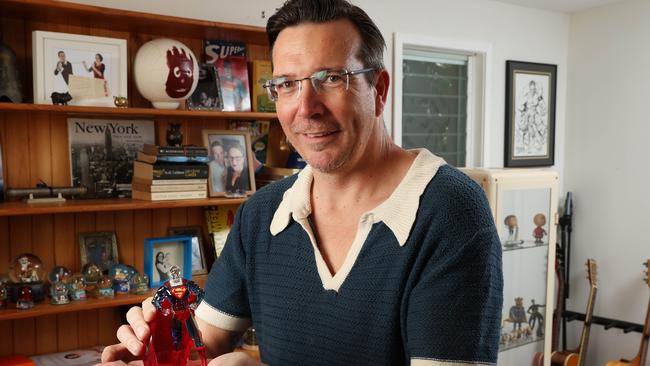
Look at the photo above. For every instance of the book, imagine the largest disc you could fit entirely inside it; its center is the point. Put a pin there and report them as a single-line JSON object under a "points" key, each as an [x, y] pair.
{"points": [[219, 220], [262, 71], [148, 171], [178, 159], [156, 150], [102, 153], [143, 187], [166, 196], [230, 60], [169, 182]]}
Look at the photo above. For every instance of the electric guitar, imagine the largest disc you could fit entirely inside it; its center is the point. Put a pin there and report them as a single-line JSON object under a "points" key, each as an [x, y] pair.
{"points": [[641, 357], [577, 357], [538, 357]]}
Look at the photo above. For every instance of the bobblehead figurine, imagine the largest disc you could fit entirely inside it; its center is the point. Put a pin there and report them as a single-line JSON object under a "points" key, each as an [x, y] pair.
{"points": [[174, 330], [513, 232], [538, 233]]}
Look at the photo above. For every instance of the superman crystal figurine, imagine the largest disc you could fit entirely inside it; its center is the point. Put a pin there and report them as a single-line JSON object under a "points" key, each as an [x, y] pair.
{"points": [[173, 330]]}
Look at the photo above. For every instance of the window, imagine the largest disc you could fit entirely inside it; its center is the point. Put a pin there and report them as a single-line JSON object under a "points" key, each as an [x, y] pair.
{"points": [[439, 98]]}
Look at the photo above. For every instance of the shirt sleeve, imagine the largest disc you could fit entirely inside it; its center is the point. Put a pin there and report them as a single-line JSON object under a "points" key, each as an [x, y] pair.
{"points": [[454, 310], [225, 304]]}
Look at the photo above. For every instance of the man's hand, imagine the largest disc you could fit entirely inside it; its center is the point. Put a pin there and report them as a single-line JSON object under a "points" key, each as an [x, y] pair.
{"points": [[134, 336]]}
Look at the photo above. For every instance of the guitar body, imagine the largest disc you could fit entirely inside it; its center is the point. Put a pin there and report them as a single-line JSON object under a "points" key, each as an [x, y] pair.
{"points": [[634, 362], [538, 359], [565, 358]]}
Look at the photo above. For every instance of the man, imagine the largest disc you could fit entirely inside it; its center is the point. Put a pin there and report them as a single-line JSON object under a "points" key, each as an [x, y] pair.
{"points": [[217, 167], [63, 66], [237, 173], [372, 255]]}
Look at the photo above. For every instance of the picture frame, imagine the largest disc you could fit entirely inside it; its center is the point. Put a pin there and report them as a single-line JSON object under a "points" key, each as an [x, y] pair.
{"points": [[207, 95], [91, 69], [161, 253], [199, 263], [530, 114], [229, 176], [100, 248]]}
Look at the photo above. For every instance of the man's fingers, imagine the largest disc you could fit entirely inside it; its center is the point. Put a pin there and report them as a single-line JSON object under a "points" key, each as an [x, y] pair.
{"points": [[148, 310], [129, 340], [135, 317], [116, 354]]}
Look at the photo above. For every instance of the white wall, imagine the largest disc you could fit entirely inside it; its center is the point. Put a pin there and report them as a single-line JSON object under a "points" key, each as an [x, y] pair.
{"points": [[607, 166], [515, 33]]}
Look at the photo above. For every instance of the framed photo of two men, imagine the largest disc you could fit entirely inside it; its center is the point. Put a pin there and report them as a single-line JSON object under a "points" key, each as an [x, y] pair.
{"points": [[530, 114], [231, 163]]}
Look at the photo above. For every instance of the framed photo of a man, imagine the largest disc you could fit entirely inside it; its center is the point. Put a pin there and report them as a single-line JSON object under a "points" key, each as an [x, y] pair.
{"points": [[231, 163], [199, 265], [99, 248], [530, 114], [207, 95], [90, 70], [161, 254]]}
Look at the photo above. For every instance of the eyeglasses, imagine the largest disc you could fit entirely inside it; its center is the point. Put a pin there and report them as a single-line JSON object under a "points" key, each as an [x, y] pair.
{"points": [[235, 158], [323, 81]]}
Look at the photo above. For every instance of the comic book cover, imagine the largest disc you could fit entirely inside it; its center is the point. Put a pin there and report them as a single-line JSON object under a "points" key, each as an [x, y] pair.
{"points": [[102, 153], [262, 71], [219, 219], [230, 60]]}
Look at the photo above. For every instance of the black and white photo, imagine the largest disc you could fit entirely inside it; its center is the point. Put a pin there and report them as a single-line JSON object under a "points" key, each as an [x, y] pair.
{"points": [[161, 254], [207, 95]]}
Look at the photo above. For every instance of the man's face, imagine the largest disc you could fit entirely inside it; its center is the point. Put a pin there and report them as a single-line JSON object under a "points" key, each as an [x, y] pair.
{"points": [[61, 56], [330, 130], [217, 154], [236, 159]]}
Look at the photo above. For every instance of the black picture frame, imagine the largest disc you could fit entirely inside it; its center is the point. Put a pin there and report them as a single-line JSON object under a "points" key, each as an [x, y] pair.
{"points": [[530, 114], [207, 95]]}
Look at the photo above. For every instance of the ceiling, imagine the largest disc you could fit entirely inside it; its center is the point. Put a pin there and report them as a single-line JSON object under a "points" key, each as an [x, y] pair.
{"points": [[565, 6]]}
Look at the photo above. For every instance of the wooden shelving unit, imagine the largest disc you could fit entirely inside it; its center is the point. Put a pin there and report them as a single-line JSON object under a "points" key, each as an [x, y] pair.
{"points": [[34, 143], [20, 208]]}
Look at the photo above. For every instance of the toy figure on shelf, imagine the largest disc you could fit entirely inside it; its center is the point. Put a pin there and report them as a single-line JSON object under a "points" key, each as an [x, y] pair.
{"points": [[517, 314], [513, 232], [173, 329], [59, 293], [92, 274], [536, 317], [77, 288], [25, 300], [121, 275], [539, 232], [59, 274], [26, 268], [105, 288]]}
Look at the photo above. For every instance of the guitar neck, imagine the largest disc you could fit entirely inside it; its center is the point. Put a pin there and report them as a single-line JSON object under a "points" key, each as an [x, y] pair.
{"points": [[643, 349], [584, 339], [557, 319]]}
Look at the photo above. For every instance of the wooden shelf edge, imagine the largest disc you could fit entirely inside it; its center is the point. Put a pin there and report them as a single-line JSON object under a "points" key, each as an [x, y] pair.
{"points": [[45, 308], [134, 112], [20, 208]]}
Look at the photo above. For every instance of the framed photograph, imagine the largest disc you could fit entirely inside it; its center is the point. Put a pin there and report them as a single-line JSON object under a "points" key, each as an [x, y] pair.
{"points": [[530, 114], [161, 254], [199, 265], [231, 163], [91, 69], [207, 95], [99, 248]]}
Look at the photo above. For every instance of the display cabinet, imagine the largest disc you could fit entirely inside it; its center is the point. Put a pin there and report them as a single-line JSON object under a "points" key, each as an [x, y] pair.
{"points": [[34, 143], [524, 207]]}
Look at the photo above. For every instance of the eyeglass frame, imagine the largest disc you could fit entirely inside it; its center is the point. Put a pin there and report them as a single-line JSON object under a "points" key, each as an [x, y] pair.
{"points": [[272, 83]]}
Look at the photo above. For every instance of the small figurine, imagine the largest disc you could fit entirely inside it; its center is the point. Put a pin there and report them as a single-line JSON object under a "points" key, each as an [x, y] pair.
{"points": [[61, 98], [513, 232], [77, 288], [173, 329], [539, 232], [174, 135], [120, 102], [536, 317], [59, 293], [139, 284], [517, 314], [121, 275], [105, 288], [59, 274], [92, 274], [26, 268], [25, 300]]}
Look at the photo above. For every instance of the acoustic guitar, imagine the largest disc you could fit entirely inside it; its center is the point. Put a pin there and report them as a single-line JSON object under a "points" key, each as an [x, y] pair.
{"points": [[538, 357], [641, 357], [577, 357]]}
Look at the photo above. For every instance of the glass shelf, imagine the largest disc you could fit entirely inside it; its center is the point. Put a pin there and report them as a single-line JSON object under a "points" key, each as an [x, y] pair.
{"points": [[527, 244]]}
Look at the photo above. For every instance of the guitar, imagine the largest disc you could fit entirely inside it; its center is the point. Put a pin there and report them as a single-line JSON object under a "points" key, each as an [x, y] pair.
{"points": [[642, 356], [538, 357], [577, 357]]}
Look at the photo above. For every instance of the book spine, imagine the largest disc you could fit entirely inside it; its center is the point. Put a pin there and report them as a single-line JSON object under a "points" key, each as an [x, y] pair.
{"points": [[169, 187], [165, 196], [169, 171]]}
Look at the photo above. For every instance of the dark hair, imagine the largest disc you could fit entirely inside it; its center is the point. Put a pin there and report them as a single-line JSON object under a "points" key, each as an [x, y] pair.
{"points": [[101, 58], [60, 52], [294, 12]]}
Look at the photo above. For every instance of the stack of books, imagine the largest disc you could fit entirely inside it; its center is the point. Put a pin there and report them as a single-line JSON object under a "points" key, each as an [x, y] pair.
{"points": [[170, 173]]}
